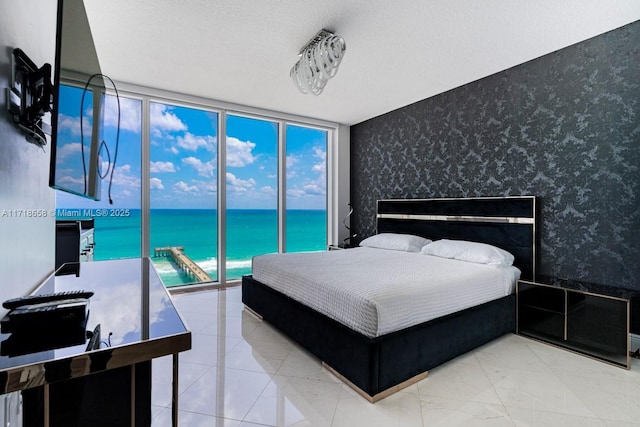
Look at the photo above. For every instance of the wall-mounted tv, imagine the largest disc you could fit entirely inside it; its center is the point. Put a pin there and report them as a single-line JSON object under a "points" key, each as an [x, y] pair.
{"points": [[78, 96]]}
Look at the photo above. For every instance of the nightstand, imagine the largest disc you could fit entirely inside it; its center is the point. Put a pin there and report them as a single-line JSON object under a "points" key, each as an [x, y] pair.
{"points": [[590, 319]]}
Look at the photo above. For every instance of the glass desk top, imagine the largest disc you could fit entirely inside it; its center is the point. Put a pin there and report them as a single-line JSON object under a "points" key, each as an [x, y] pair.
{"points": [[135, 314]]}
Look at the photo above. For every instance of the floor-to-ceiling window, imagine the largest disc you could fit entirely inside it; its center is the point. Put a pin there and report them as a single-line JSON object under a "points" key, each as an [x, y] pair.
{"points": [[117, 214], [306, 188], [183, 193], [252, 191], [274, 174]]}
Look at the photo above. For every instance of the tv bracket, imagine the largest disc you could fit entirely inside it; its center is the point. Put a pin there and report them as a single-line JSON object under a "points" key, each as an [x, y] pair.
{"points": [[30, 97]]}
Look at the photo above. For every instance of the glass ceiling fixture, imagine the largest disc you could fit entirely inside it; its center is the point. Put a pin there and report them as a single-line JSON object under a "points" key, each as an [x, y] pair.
{"points": [[318, 62]]}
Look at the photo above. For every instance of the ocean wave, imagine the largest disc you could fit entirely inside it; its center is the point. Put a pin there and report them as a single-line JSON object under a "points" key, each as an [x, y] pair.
{"points": [[210, 265], [164, 266]]}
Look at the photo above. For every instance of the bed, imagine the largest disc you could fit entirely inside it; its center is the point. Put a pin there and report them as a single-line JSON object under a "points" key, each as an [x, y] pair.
{"points": [[381, 358]]}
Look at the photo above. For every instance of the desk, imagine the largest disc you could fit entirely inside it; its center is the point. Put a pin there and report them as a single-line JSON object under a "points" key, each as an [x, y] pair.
{"points": [[71, 385]]}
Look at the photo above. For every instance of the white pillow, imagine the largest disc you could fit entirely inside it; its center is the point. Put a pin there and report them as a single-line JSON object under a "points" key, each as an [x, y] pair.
{"points": [[396, 242], [462, 250]]}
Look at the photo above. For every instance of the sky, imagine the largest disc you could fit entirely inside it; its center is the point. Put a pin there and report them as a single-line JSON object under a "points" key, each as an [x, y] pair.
{"points": [[183, 155]]}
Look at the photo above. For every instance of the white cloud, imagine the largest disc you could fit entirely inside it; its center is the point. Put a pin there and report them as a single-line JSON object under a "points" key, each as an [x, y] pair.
{"points": [[296, 193], [163, 120], [130, 114], [130, 117], [105, 168], [156, 184], [309, 188], [123, 176], [71, 149], [196, 187], [292, 159], [319, 167], [239, 185], [268, 190], [320, 153], [314, 189], [158, 167], [206, 186], [239, 153], [183, 187], [192, 142], [203, 168], [71, 124], [69, 180]]}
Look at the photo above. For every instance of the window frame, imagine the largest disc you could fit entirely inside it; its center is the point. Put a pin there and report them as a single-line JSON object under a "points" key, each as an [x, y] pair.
{"points": [[148, 95]]}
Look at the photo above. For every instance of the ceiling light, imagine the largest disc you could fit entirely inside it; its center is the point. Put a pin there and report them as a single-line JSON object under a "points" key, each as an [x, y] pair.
{"points": [[318, 62]]}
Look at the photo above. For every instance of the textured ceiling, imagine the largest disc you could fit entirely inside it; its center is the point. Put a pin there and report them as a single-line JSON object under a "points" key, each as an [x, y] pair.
{"points": [[398, 51]]}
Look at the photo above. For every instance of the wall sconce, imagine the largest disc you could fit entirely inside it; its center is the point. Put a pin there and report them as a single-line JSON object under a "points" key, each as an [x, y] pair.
{"points": [[318, 62]]}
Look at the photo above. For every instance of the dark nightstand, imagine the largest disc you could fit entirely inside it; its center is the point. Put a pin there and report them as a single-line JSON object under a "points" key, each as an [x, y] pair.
{"points": [[590, 319]]}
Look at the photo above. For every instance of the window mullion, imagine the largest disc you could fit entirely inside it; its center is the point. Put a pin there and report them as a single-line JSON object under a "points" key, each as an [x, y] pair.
{"points": [[222, 197], [145, 171], [282, 187]]}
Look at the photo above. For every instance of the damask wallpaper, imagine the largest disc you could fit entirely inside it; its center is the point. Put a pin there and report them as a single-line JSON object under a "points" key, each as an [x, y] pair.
{"points": [[564, 127]]}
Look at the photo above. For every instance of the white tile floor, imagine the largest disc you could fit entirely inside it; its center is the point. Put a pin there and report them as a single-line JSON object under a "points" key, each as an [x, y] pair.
{"points": [[242, 372]]}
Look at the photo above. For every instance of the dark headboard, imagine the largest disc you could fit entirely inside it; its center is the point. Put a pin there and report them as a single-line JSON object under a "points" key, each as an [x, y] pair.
{"points": [[506, 222]]}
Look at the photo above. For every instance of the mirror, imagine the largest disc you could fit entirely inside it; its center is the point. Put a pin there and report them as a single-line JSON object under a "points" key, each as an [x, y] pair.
{"points": [[79, 90]]}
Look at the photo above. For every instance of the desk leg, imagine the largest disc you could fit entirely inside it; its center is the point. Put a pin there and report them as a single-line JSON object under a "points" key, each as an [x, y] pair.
{"points": [[133, 395], [174, 399], [46, 405]]}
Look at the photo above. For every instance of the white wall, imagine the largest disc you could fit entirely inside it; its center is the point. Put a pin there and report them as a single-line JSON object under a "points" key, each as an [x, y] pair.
{"points": [[27, 245]]}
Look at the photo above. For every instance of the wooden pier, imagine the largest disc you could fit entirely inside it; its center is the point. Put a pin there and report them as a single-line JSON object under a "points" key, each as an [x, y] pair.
{"points": [[183, 261]]}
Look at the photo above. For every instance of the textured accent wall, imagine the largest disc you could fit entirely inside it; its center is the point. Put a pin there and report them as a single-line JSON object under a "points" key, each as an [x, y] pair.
{"points": [[564, 127]]}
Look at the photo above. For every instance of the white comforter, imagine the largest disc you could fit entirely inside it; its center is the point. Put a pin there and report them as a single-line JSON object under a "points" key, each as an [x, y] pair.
{"points": [[377, 291]]}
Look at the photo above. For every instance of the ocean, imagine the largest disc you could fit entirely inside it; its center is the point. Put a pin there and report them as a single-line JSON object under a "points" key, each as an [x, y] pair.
{"points": [[249, 233]]}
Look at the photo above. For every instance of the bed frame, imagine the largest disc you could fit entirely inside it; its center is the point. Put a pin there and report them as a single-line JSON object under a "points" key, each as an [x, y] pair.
{"points": [[378, 367]]}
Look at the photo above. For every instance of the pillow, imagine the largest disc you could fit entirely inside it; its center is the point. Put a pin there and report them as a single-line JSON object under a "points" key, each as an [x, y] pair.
{"points": [[396, 242], [462, 250]]}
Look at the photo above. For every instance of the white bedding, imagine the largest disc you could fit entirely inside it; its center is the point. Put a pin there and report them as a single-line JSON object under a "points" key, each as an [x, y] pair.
{"points": [[378, 291]]}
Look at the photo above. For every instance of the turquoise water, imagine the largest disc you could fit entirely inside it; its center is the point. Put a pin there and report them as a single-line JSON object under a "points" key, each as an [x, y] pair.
{"points": [[249, 233]]}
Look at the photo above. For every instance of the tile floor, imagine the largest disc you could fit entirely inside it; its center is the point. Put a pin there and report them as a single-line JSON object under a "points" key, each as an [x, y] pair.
{"points": [[241, 372]]}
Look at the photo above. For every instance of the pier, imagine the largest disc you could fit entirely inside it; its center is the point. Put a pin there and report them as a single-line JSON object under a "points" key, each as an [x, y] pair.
{"points": [[183, 261]]}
